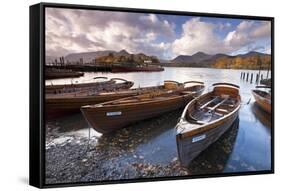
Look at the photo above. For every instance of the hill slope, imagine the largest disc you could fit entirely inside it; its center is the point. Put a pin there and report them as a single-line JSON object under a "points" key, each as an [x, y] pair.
{"points": [[251, 60]]}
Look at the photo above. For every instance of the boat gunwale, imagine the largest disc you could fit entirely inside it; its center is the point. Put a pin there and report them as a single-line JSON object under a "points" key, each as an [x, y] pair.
{"points": [[256, 92], [101, 105], [202, 127], [101, 94]]}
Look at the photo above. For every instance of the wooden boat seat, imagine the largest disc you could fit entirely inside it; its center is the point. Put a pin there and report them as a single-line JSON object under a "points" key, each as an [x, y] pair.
{"points": [[187, 92], [209, 102], [159, 98], [218, 104], [123, 101], [194, 120], [223, 111]]}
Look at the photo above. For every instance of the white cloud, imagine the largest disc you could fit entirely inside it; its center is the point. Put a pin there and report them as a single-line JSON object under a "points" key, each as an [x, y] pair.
{"points": [[223, 26], [71, 31], [245, 25], [197, 36], [248, 33], [263, 31]]}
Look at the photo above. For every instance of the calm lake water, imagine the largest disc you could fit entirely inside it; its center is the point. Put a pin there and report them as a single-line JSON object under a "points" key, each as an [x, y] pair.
{"points": [[245, 147]]}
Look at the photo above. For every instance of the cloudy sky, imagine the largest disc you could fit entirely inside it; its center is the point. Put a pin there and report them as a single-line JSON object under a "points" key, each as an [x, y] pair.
{"points": [[165, 36]]}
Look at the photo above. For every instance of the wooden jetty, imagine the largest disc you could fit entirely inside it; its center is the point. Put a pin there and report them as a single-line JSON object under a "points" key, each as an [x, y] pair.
{"points": [[53, 73], [115, 68]]}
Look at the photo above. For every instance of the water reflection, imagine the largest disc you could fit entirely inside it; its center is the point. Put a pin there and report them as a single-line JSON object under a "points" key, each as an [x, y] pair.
{"points": [[215, 157], [261, 115], [153, 139]]}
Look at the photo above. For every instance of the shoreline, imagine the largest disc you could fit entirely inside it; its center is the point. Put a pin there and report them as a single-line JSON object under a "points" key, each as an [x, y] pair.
{"points": [[130, 153]]}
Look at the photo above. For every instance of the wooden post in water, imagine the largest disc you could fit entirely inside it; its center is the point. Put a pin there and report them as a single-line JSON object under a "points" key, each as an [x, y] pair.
{"points": [[257, 78], [247, 76], [259, 63], [268, 70], [251, 81], [261, 77]]}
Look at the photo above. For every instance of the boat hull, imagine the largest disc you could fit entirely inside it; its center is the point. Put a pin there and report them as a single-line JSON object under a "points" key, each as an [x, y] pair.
{"points": [[188, 149], [262, 102], [108, 119], [66, 103], [56, 89], [56, 107]]}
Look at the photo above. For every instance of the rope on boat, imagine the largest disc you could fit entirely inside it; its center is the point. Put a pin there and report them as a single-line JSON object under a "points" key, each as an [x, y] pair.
{"points": [[249, 101]]}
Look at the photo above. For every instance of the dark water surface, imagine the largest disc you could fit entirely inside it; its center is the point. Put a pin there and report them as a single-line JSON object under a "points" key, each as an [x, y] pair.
{"points": [[148, 148]]}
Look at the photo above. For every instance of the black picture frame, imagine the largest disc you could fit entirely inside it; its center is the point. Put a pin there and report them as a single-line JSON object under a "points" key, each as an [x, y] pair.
{"points": [[37, 95]]}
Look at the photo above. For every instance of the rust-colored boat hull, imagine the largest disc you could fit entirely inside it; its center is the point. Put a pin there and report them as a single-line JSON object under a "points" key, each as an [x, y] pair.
{"points": [[65, 103], [263, 102], [56, 89], [106, 119], [129, 114], [56, 107]]}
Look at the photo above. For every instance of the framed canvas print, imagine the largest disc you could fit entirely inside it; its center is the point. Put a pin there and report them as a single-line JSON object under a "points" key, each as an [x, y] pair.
{"points": [[128, 95]]}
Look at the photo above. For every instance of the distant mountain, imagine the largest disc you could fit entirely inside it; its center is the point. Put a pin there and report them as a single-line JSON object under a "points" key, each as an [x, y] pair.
{"points": [[122, 53], [198, 57], [250, 60], [252, 53]]}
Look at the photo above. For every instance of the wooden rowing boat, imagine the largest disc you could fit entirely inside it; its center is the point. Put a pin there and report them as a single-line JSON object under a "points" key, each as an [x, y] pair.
{"points": [[263, 99], [110, 116], [205, 119], [58, 104], [65, 88]]}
